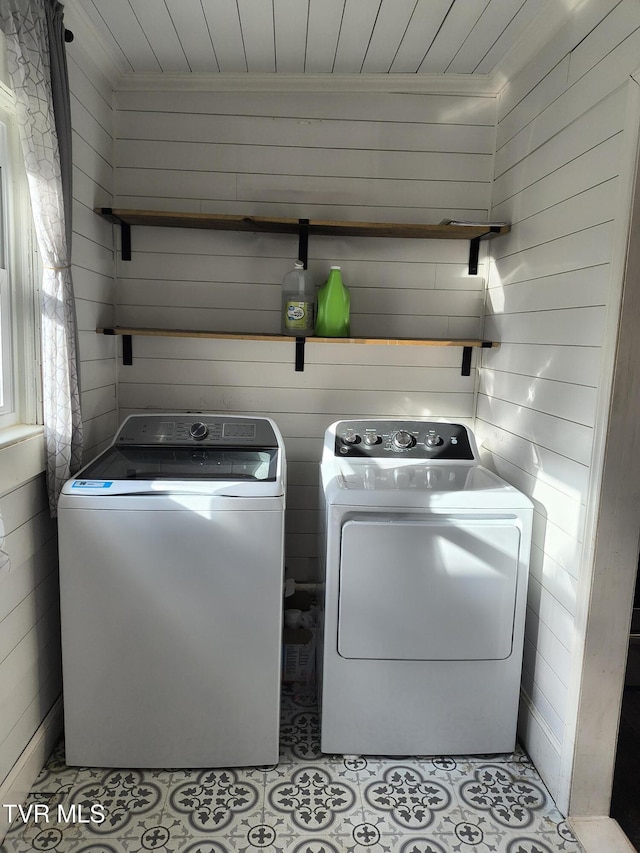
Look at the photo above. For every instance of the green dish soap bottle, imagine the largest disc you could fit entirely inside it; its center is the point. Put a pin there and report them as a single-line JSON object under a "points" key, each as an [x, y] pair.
{"points": [[332, 315]]}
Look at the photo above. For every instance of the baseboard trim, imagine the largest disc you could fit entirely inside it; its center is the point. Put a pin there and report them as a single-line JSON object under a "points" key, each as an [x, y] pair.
{"points": [[24, 772], [596, 834]]}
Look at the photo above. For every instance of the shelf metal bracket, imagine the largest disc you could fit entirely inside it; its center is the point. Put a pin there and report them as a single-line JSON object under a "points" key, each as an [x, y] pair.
{"points": [[474, 252], [466, 361], [303, 255], [474, 248], [125, 231], [127, 348], [303, 241], [466, 357]]}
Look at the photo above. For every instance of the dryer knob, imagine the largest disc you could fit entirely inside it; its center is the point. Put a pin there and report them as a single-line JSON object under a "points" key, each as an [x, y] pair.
{"points": [[433, 441], [351, 437], [403, 440], [199, 431]]}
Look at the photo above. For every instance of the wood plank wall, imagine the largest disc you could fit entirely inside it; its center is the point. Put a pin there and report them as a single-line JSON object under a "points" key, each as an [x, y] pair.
{"points": [[560, 152], [399, 158], [92, 251], [29, 619]]}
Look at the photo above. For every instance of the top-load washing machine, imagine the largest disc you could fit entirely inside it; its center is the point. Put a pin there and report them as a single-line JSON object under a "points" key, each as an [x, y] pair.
{"points": [[425, 556], [171, 574]]}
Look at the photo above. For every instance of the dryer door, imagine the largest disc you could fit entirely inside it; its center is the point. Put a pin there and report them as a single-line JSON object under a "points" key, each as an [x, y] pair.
{"points": [[428, 590]]}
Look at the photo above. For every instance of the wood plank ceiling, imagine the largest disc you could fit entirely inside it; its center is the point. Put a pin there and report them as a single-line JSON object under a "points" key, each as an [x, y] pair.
{"points": [[310, 36]]}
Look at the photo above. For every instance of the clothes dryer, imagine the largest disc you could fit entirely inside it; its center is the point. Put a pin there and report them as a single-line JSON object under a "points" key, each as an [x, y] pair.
{"points": [[171, 574], [425, 557]]}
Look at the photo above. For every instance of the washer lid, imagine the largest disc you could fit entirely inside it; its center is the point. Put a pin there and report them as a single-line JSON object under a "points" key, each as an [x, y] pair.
{"points": [[204, 454], [184, 463], [203, 470]]}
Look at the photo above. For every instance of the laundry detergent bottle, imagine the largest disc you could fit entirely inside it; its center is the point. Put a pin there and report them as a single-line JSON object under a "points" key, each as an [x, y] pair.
{"points": [[298, 300], [334, 301]]}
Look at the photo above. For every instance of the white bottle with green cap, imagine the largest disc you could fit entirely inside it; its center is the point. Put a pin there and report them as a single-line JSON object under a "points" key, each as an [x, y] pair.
{"points": [[298, 300]]}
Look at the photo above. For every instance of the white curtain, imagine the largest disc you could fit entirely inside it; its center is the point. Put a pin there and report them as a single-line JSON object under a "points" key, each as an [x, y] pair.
{"points": [[25, 27]]}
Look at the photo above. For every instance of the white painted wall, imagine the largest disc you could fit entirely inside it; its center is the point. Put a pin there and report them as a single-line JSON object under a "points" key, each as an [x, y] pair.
{"points": [[92, 249], [29, 620], [563, 172], [357, 156], [30, 665]]}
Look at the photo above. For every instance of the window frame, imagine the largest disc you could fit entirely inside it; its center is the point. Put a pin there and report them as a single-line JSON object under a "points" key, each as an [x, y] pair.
{"points": [[20, 356]]}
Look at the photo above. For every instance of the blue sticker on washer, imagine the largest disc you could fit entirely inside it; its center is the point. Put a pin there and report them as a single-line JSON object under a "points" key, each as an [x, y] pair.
{"points": [[92, 484]]}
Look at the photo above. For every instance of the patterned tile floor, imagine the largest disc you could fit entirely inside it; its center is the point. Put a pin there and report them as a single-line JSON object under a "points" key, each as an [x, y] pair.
{"points": [[308, 803]]}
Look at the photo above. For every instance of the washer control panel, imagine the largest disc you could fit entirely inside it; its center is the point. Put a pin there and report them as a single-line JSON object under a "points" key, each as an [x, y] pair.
{"points": [[410, 439], [197, 429]]}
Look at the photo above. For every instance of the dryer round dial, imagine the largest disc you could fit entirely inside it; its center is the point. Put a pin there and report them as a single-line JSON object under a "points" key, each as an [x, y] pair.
{"points": [[433, 441], [371, 439], [351, 437], [403, 440], [198, 430]]}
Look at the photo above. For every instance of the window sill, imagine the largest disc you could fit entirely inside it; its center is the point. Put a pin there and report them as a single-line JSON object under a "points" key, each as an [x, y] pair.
{"points": [[21, 455], [19, 432]]}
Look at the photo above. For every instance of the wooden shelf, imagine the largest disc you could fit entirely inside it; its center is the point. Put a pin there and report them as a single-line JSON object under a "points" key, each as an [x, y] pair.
{"points": [[246, 336], [223, 222], [474, 232], [127, 332]]}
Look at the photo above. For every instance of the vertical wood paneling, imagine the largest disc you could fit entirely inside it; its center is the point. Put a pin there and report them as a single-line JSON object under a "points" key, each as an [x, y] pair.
{"points": [[452, 34], [191, 27], [349, 157], [290, 23], [159, 31], [355, 33], [224, 28], [316, 36], [558, 167], [256, 19]]}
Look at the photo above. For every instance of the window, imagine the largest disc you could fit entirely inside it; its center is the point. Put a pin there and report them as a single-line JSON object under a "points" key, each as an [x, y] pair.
{"points": [[19, 368], [7, 380]]}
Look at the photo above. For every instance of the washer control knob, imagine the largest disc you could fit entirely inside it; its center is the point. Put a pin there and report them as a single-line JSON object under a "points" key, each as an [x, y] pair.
{"points": [[371, 439], [350, 437], [433, 441], [198, 431], [403, 440]]}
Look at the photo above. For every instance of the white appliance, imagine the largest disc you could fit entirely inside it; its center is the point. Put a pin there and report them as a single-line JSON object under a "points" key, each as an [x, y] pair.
{"points": [[426, 557], [171, 578]]}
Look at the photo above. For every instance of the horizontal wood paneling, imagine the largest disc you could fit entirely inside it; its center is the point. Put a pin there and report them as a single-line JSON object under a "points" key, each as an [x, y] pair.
{"points": [[370, 156], [560, 142], [29, 621], [93, 255], [338, 404], [373, 157], [461, 110], [273, 160]]}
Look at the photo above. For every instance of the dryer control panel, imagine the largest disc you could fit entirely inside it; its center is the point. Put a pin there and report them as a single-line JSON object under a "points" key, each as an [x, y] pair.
{"points": [[417, 440]]}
